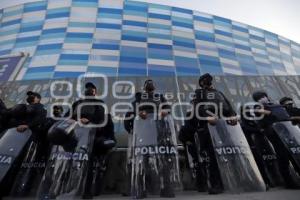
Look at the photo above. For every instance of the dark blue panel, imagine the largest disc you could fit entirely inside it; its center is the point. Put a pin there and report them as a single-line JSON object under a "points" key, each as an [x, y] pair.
{"points": [[227, 54], [182, 10], [184, 44], [57, 15], [257, 38], [110, 11], [134, 23], [209, 60], [159, 46], [186, 62], [12, 22], [134, 38], [110, 71], [159, 16], [241, 29], [260, 64], [67, 74], [80, 35], [34, 8], [181, 24], [31, 28], [133, 59], [5, 52], [54, 30], [272, 46], [74, 57], [28, 39], [223, 33], [49, 46], [132, 71], [221, 19], [203, 19], [181, 70], [205, 36], [109, 26], [214, 70], [40, 69], [239, 46], [84, 1], [136, 8], [106, 46]]}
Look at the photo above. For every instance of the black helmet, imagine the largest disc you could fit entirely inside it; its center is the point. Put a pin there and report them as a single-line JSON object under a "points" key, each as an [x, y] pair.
{"points": [[90, 85], [285, 100], [149, 85], [206, 77], [30, 93], [258, 95]]}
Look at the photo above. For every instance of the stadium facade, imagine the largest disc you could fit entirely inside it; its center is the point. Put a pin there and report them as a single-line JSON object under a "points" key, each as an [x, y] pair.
{"points": [[64, 39]]}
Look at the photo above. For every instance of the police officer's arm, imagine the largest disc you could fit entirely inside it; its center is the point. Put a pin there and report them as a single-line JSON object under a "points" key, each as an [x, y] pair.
{"points": [[231, 110], [2, 105], [166, 108], [100, 114], [128, 121], [186, 133], [108, 129]]}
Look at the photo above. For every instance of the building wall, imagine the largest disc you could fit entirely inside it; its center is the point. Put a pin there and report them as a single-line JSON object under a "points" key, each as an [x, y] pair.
{"points": [[126, 38]]}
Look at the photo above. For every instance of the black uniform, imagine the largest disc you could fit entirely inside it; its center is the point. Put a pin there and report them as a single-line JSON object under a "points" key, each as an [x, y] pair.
{"points": [[104, 138], [187, 137], [266, 123], [130, 115], [257, 142], [293, 111], [96, 115], [33, 115]]}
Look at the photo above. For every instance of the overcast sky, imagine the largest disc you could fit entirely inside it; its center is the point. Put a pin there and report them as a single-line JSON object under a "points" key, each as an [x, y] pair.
{"points": [[278, 16]]}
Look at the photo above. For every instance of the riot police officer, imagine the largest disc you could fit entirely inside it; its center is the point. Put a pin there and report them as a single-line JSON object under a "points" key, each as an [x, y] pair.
{"points": [[57, 113], [32, 115], [205, 97], [154, 105], [155, 99], [104, 138], [270, 116], [256, 140], [293, 111], [130, 115]]}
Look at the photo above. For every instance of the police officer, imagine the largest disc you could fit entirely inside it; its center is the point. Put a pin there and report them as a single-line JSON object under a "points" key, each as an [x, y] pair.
{"points": [[187, 137], [104, 138], [205, 96], [57, 113], [130, 115], [293, 111], [256, 140], [155, 99], [32, 115], [155, 103], [270, 116]]}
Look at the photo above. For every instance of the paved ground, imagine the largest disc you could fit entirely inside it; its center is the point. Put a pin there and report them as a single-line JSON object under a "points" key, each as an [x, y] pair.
{"points": [[274, 194]]}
